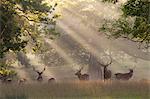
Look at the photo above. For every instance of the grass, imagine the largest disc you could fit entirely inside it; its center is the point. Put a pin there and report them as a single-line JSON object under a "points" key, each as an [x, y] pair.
{"points": [[77, 90]]}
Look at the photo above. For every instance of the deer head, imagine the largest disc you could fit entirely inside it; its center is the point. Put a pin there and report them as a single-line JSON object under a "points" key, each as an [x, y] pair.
{"points": [[39, 78], [131, 70], [79, 71]]}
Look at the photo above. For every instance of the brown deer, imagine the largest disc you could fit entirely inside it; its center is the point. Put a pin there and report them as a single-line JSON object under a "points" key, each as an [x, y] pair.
{"points": [[22, 81], [4, 78], [107, 72], [51, 80], [82, 76], [39, 78], [124, 76], [7, 81]]}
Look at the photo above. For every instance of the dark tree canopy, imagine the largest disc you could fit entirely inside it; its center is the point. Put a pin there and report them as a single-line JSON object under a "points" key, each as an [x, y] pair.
{"points": [[22, 21], [134, 23]]}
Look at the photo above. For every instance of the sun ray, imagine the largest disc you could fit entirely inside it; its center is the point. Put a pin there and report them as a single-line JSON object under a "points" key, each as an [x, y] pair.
{"points": [[62, 53]]}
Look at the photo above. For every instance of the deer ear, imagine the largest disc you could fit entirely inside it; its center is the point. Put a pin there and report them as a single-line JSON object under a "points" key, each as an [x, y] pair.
{"points": [[81, 68], [106, 65], [33, 68], [130, 69]]}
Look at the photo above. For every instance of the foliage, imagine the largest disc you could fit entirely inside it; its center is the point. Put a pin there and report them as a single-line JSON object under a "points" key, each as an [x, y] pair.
{"points": [[5, 72], [138, 8], [22, 23], [111, 1], [134, 23]]}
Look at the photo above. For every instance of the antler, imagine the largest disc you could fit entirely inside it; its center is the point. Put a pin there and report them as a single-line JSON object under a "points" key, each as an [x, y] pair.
{"points": [[80, 68], [105, 65], [44, 69], [35, 69], [38, 71]]}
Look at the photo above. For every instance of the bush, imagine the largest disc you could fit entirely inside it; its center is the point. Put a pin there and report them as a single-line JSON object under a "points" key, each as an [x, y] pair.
{"points": [[6, 73]]}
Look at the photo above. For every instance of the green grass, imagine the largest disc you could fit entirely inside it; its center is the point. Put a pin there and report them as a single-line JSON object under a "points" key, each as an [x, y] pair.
{"points": [[77, 90]]}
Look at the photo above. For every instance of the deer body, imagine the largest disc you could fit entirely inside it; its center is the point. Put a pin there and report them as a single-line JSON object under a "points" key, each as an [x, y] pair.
{"points": [[7, 81], [51, 80], [82, 76], [22, 80], [124, 76], [107, 73]]}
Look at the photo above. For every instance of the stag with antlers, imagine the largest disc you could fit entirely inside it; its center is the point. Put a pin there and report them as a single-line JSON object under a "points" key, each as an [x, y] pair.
{"points": [[124, 76], [39, 78], [107, 72], [82, 76]]}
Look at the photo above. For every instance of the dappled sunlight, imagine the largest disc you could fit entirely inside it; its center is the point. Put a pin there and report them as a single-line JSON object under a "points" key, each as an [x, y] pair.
{"points": [[80, 40], [61, 49], [22, 72], [81, 23], [61, 52]]}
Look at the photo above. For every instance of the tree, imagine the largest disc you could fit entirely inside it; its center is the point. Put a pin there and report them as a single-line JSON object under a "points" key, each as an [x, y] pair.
{"points": [[22, 22], [6, 73], [134, 24]]}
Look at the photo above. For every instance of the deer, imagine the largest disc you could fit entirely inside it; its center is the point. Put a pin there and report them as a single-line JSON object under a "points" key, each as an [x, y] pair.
{"points": [[106, 71], [7, 81], [22, 81], [39, 78], [51, 80], [124, 76], [82, 76], [5, 78]]}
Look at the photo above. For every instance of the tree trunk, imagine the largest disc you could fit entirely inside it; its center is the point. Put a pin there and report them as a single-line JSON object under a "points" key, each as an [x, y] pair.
{"points": [[95, 70], [22, 58]]}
